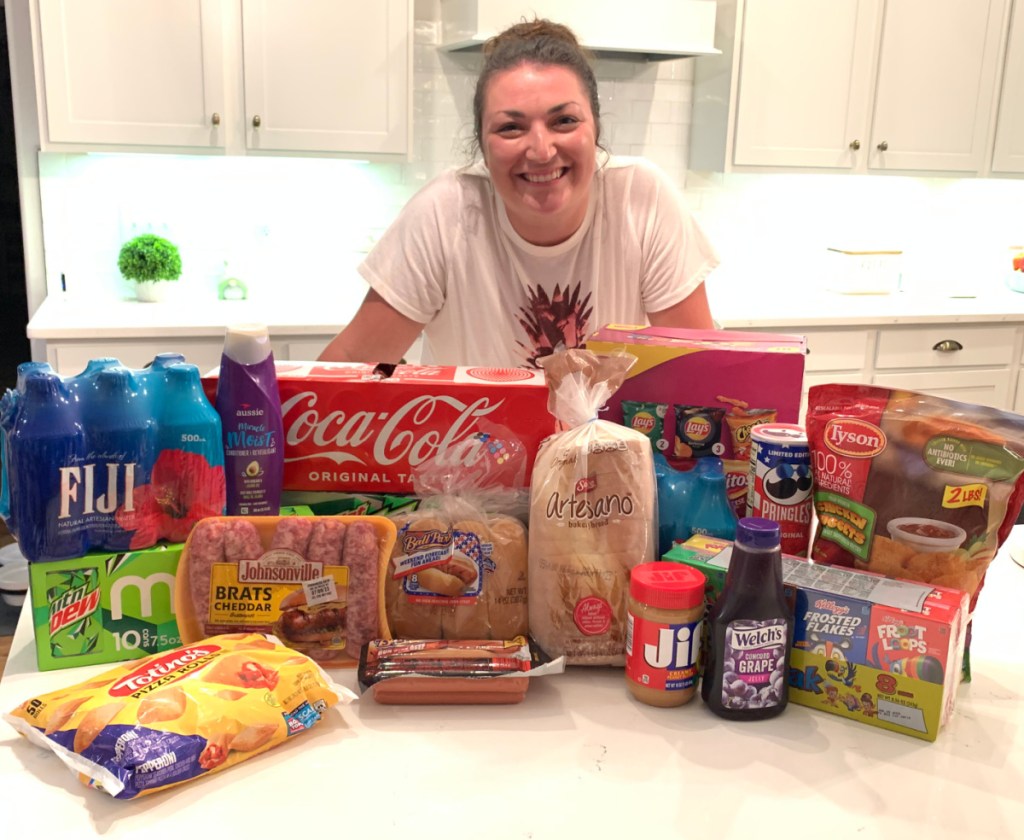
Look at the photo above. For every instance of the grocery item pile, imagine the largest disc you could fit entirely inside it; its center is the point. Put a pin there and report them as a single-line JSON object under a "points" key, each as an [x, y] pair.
{"points": [[452, 533]]}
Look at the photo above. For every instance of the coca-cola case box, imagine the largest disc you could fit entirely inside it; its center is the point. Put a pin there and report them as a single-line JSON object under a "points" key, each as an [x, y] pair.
{"points": [[367, 428]]}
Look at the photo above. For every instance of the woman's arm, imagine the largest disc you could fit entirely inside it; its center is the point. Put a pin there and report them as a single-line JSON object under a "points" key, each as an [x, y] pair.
{"points": [[691, 312], [377, 333]]}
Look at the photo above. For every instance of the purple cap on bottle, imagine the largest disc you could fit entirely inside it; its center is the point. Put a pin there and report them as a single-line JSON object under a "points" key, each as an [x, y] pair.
{"points": [[756, 532]]}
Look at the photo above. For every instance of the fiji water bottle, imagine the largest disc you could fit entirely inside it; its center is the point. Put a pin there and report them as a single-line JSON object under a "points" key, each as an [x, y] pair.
{"points": [[711, 515], [751, 629], [249, 406], [190, 464], [675, 500], [122, 449], [47, 456]]}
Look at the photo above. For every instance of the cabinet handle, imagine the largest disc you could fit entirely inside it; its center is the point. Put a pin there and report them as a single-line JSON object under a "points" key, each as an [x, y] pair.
{"points": [[883, 146], [215, 119], [948, 346], [256, 121], [855, 145]]}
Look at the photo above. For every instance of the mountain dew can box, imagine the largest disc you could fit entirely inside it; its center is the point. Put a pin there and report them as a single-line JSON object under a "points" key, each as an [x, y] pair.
{"points": [[884, 652], [104, 607]]}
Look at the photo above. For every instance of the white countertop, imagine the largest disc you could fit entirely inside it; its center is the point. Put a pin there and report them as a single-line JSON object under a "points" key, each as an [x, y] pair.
{"points": [[578, 758], [734, 307]]}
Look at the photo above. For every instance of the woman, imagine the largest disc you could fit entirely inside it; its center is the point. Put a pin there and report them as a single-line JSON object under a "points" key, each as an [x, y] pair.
{"points": [[540, 243]]}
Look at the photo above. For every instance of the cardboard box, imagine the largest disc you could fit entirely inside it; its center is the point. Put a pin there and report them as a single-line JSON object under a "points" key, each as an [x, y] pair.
{"points": [[353, 428], [701, 367], [879, 651], [104, 607]]}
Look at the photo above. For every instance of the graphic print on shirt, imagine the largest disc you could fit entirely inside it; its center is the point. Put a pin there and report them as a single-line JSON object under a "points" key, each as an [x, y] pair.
{"points": [[561, 319]]}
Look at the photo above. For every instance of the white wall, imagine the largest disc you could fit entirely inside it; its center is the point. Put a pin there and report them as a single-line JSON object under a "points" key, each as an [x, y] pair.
{"points": [[299, 223]]}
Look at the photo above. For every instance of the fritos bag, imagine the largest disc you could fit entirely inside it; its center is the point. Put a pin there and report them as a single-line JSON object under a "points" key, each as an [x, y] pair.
{"points": [[913, 486], [174, 716], [458, 566], [593, 513]]}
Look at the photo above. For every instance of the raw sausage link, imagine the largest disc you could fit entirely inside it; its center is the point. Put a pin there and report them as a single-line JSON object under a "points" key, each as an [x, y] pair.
{"points": [[292, 533], [241, 540], [327, 541], [361, 557], [206, 547]]}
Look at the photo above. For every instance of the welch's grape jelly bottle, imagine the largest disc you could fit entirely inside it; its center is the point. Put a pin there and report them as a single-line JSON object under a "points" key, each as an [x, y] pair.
{"points": [[751, 629]]}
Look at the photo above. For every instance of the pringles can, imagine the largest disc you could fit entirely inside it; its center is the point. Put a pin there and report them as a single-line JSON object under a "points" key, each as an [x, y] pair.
{"points": [[779, 485]]}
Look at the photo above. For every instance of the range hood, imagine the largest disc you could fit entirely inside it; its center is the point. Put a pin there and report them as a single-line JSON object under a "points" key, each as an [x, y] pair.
{"points": [[653, 29]]}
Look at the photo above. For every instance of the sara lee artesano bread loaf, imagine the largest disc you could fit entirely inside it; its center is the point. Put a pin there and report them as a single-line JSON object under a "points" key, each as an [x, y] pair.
{"points": [[457, 575], [593, 514]]}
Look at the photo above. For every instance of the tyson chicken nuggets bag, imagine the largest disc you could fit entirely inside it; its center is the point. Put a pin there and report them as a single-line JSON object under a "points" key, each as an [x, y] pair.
{"points": [[178, 715], [593, 513], [913, 486]]}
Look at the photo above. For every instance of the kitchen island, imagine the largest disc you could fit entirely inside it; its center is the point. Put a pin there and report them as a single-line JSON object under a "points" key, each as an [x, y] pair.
{"points": [[578, 758]]}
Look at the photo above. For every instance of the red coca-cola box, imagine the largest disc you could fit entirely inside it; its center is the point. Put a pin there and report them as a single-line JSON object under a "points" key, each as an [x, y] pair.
{"points": [[355, 427]]}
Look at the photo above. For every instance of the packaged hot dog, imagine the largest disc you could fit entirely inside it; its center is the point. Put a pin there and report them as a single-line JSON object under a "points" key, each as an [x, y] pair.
{"points": [[179, 715], [317, 583], [431, 671]]}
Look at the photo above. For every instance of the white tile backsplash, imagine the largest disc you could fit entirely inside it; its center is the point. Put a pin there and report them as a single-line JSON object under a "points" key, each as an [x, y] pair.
{"points": [[298, 224]]}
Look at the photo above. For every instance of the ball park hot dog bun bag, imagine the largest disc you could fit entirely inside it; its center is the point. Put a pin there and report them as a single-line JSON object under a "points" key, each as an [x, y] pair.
{"points": [[317, 583], [913, 486], [179, 715]]}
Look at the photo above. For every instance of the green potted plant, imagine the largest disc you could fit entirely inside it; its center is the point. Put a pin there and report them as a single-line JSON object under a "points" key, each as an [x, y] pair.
{"points": [[149, 261]]}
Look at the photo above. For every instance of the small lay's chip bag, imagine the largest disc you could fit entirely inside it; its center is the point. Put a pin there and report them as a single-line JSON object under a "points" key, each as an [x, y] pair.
{"points": [[648, 418], [178, 715]]}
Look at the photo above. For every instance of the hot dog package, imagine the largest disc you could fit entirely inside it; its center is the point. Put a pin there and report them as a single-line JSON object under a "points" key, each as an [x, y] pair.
{"points": [[458, 567], [317, 583], [180, 715], [913, 486], [593, 513]]}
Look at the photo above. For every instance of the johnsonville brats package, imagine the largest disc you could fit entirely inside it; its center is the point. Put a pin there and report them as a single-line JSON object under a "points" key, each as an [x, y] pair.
{"points": [[873, 650], [913, 486], [112, 459], [317, 583], [365, 429], [180, 715]]}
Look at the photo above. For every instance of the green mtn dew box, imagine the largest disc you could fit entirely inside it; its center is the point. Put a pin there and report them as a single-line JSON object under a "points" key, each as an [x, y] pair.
{"points": [[888, 653], [104, 607], [108, 607]]}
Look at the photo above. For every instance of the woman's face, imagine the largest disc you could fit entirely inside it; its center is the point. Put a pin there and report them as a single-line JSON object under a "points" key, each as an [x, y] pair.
{"points": [[540, 148]]}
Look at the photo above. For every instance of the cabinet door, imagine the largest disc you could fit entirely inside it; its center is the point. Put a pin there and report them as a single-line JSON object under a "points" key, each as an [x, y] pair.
{"points": [[327, 75], [1009, 146], [936, 84], [129, 73], [804, 82], [982, 387]]}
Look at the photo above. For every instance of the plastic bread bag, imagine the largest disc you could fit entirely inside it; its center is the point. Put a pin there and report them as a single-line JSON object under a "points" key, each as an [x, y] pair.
{"points": [[593, 513], [176, 716], [913, 486], [458, 568]]}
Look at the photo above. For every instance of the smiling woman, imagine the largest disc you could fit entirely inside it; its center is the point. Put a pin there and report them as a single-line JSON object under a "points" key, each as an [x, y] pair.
{"points": [[539, 243]]}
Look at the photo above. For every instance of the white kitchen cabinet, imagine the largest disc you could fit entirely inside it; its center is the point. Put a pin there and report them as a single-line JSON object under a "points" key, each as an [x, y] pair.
{"points": [[849, 85], [305, 76], [1008, 154], [69, 357], [982, 387]]}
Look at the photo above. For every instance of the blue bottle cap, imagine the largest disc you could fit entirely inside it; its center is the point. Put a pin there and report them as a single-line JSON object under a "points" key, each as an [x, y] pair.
{"points": [[756, 532]]}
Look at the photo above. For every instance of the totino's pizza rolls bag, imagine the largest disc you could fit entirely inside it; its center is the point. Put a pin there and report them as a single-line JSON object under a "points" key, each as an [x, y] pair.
{"points": [[178, 715], [316, 582], [593, 513], [458, 566], [913, 486]]}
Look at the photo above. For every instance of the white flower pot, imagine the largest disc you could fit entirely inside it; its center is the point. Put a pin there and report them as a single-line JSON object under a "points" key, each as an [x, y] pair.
{"points": [[151, 291]]}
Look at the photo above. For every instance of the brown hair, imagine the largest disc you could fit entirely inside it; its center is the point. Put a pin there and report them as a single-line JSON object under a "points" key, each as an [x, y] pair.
{"points": [[540, 42]]}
